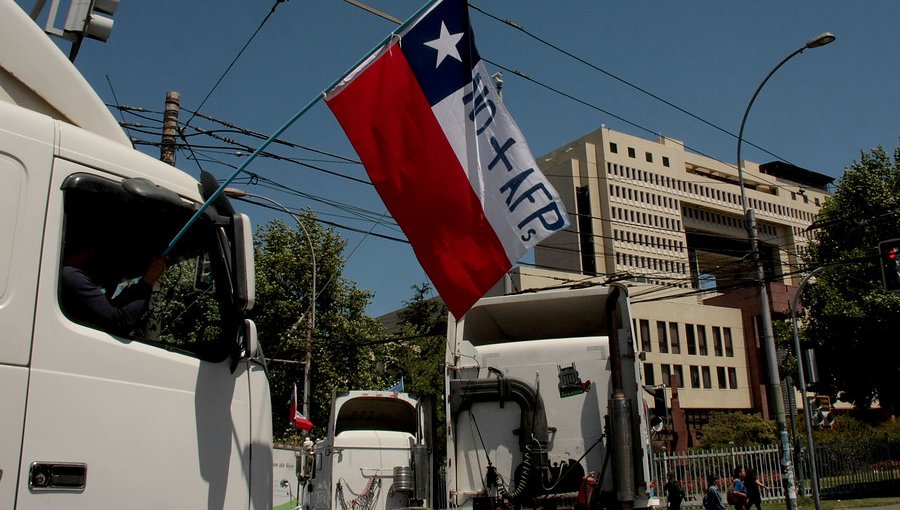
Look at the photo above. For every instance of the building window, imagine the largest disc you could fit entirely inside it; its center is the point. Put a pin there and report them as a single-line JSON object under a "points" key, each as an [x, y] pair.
{"points": [[649, 376], [679, 375], [665, 161], [707, 380], [645, 336], [701, 339], [661, 334], [720, 375], [673, 335], [613, 148], [691, 339], [631, 152], [732, 378], [729, 346], [717, 340], [667, 374], [695, 376], [649, 157]]}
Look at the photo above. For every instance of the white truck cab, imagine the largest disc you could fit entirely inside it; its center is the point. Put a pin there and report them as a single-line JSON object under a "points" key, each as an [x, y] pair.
{"points": [[376, 454], [171, 411]]}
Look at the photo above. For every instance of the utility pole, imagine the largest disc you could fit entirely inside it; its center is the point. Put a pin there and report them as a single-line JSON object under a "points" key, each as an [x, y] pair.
{"points": [[170, 127]]}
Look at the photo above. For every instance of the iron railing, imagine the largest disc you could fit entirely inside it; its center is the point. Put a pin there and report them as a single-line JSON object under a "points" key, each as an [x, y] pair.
{"points": [[843, 470]]}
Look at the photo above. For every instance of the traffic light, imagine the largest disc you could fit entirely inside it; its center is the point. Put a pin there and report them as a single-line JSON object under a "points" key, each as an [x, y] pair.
{"points": [[816, 418], [660, 409], [86, 18], [890, 264]]}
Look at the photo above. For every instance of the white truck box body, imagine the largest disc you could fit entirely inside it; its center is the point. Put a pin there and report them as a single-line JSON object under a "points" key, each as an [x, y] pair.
{"points": [[524, 346]]}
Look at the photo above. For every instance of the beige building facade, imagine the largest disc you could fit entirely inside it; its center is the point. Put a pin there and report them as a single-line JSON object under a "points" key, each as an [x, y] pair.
{"points": [[651, 209], [669, 223]]}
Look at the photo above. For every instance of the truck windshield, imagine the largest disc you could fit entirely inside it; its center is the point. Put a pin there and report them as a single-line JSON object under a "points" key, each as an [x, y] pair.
{"points": [[376, 413], [113, 279]]}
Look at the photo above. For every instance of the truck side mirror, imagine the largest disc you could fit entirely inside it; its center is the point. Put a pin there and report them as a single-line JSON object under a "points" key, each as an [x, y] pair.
{"points": [[244, 266], [251, 341]]}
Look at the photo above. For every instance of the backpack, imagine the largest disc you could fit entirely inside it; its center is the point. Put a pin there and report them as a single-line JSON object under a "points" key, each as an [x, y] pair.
{"points": [[708, 501], [730, 497], [675, 492]]}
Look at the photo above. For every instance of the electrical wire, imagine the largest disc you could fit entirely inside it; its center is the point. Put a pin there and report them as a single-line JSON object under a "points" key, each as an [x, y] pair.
{"points": [[236, 57], [595, 67], [583, 102]]}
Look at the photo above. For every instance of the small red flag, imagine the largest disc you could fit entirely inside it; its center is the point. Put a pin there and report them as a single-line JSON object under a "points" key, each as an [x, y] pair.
{"points": [[297, 419]]}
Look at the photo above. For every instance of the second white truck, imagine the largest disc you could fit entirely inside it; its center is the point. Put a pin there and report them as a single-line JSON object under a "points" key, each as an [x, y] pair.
{"points": [[544, 404], [376, 454]]}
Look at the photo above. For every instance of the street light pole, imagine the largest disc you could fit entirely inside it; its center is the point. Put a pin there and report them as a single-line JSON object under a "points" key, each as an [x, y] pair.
{"points": [[311, 318], [774, 383], [811, 452]]}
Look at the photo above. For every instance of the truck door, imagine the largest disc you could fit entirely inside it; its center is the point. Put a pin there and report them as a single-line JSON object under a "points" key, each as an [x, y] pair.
{"points": [[154, 417]]}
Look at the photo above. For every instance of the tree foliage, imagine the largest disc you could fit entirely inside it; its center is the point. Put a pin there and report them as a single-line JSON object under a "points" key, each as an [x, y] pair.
{"points": [[416, 354], [424, 322], [736, 429], [343, 340], [851, 320]]}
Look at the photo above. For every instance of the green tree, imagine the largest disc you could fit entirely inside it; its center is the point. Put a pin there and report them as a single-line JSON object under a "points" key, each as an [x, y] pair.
{"points": [[424, 322], [851, 320], [736, 429], [846, 430], [343, 356]]}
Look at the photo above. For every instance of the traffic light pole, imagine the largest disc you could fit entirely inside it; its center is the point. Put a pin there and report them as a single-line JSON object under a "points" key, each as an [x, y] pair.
{"points": [[801, 377]]}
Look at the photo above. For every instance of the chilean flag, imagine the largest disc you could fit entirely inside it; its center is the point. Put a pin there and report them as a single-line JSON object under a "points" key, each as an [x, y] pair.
{"points": [[298, 421], [443, 153]]}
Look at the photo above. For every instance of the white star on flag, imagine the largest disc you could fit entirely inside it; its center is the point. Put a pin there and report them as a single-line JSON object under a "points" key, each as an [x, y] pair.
{"points": [[446, 45]]}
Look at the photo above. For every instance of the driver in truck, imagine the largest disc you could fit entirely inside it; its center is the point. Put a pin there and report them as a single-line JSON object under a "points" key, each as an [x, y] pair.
{"points": [[90, 295]]}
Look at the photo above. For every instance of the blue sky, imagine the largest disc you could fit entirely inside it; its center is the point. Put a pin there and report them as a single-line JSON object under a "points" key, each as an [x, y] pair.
{"points": [[705, 56]]}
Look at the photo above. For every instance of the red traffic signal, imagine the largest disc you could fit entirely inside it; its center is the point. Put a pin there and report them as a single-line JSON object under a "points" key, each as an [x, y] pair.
{"points": [[889, 252]]}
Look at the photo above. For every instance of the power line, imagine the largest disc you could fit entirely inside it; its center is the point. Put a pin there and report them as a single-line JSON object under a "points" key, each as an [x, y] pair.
{"points": [[649, 243], [569, 54], [623, 119], [330, 223], [236, 57]]}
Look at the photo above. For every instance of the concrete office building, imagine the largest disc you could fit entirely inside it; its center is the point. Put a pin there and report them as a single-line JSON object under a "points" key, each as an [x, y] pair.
{"points": [[652, 213]]}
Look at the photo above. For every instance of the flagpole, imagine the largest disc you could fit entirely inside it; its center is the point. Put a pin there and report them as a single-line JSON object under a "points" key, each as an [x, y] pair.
{"points": [[239, 169], [286, 125]]}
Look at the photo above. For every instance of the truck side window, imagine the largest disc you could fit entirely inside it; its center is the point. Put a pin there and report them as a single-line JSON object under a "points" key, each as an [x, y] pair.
{"points": [[112, 238]]}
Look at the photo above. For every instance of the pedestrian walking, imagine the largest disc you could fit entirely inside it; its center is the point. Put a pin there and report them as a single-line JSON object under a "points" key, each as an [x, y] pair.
{"points": [[673, 491], [753, 485]]}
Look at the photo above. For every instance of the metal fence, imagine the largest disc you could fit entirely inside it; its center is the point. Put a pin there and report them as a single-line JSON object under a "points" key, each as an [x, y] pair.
{"points": [[842, 470]]}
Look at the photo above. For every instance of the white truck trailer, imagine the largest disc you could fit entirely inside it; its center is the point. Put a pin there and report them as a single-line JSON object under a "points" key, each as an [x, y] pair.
{"points": [[544, 405], [376, 454], [173, 414]]}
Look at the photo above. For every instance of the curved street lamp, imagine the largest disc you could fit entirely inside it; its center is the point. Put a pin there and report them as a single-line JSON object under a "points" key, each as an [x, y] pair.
{"points": [[774, 383], [311, 318]]}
